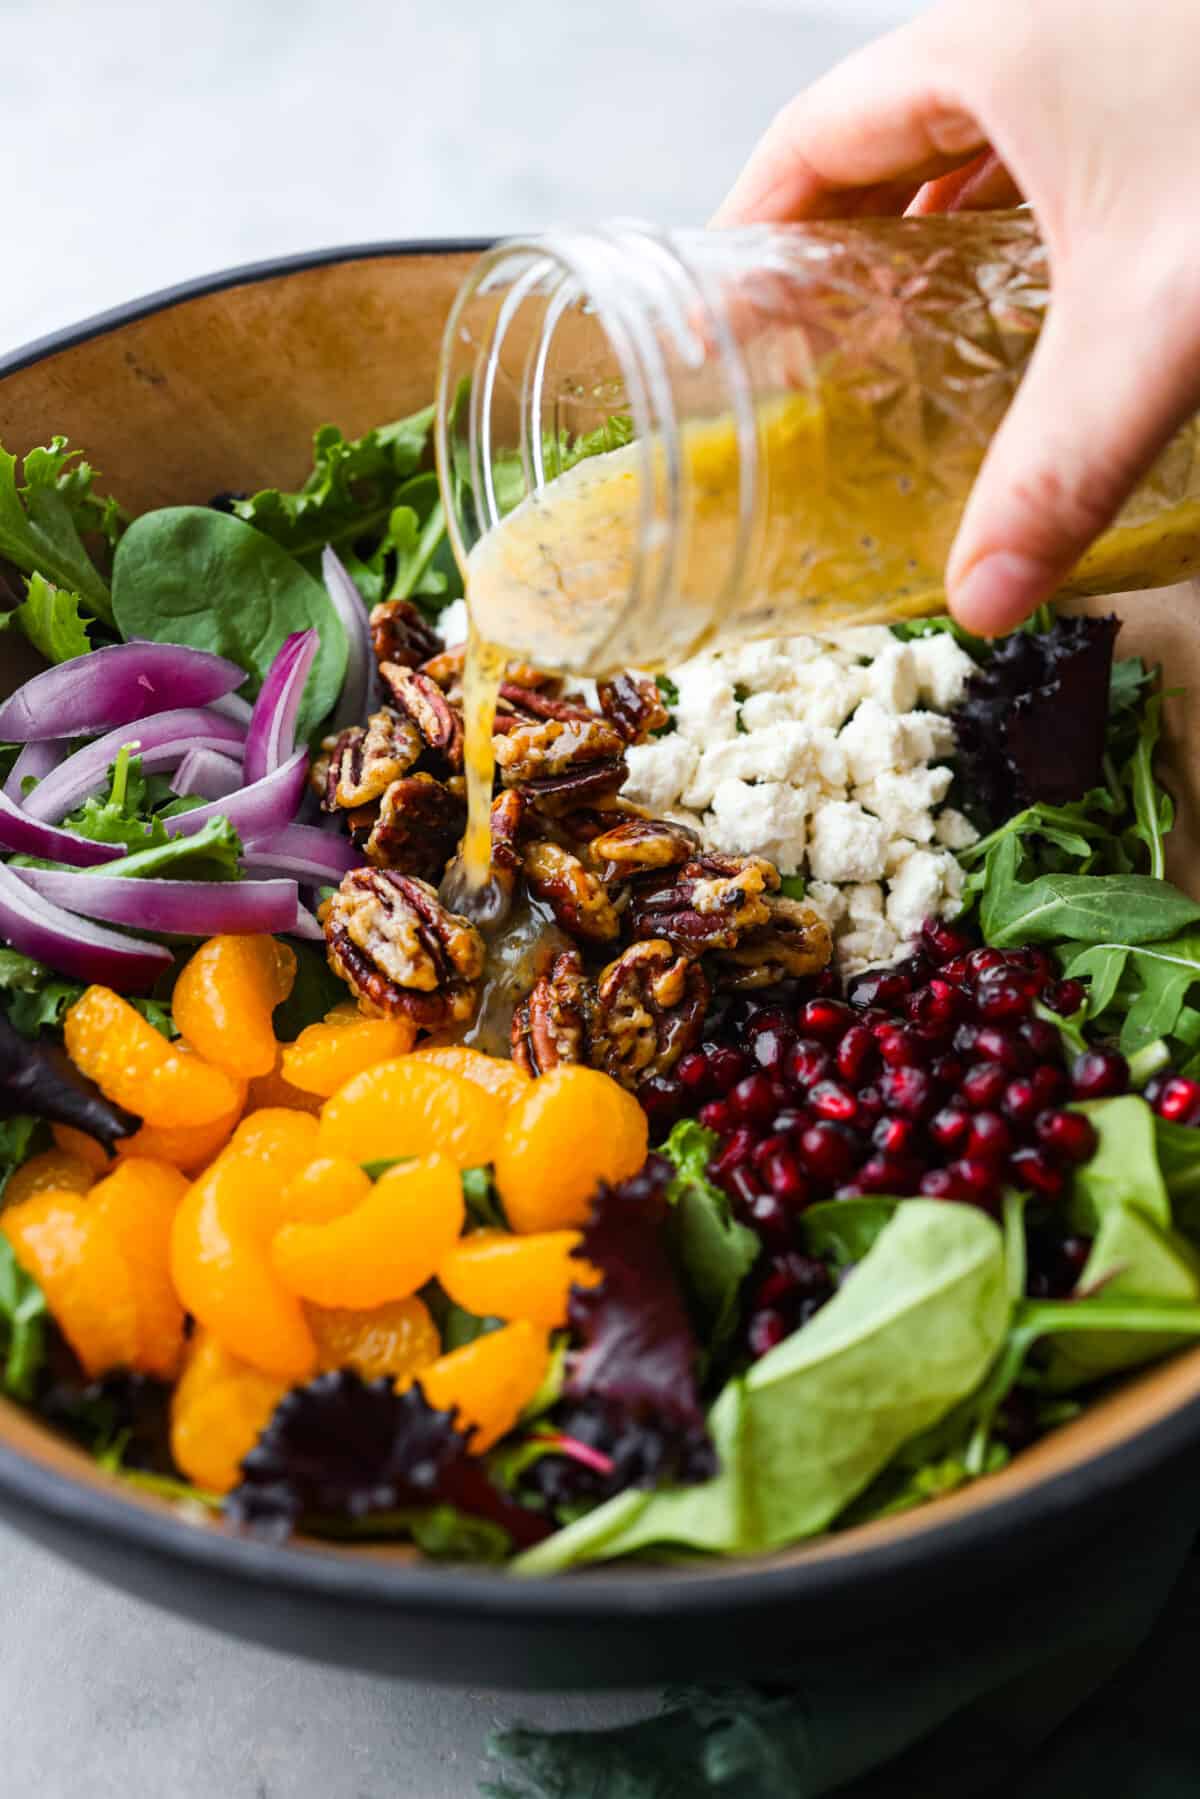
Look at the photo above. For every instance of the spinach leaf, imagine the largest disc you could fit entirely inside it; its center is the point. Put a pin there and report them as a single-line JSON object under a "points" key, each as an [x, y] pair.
{"points": [[40, 520], [842, 1231], [1132, 1256], [315, 991], [715, 1252], [1124, 1169], [811, 1424], [1082, 908], [187, 574], [52, 620], [22, 1325]]}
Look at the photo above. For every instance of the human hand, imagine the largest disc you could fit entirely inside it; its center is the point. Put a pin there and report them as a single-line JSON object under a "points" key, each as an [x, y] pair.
{"points": [[1088, 109]]}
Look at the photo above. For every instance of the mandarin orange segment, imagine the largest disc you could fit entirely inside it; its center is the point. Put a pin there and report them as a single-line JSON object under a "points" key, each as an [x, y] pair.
{"points": [[218, 1411], [53, 1171], [78, 1143], [325, 1056], [386, 1248], [189, 1147], [277, 1135], [508, 1082], [71, 1251], [573, 1129], [490, 1382], [404, 1107], [138, 1202], [224, 1000], [222, 1272], [133, 1064], [326, 1188], [273, 1090], [397, 1339], [497, 1275]]}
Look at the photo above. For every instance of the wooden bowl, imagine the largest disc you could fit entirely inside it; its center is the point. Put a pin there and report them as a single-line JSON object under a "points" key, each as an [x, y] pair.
{"points": [[218, 385]]}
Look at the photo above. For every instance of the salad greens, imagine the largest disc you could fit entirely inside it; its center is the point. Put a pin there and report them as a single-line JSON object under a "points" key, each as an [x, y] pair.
{"points": [[42, 518], [52, 618]]}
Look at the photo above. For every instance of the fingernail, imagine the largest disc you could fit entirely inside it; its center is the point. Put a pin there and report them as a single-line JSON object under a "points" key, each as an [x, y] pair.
{"points": [[998, 591]]}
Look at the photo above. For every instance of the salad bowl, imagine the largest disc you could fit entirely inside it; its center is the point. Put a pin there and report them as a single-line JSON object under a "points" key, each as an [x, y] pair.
{"points": [[217, 386]]}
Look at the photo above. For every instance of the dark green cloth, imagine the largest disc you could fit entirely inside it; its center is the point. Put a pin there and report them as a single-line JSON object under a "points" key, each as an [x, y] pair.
{"points": [[1081, 1682]]}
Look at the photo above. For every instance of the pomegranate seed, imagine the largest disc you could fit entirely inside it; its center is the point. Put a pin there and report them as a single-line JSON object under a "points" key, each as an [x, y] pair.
{"points": [[1066, 1134], [726, 1067], [1034, 1169], [793, 1276], [766, 1147], [767, 1328], [942, 1183], [856, 1053], [870, 1105], [1075, 1252], [1180, 1100], [998, 1043], [832, 1101], [1042, 1039], [983, 1084], [978, 1177], [736, 1149], [716, 1116], [789, 1121], [694, 1072], [887, 1174], [946, 1072], [849, 1190], [765, 1213], [807, 1063], [661, 1098], [829, 1150], [1064, 997], [1036, 962], [914, 969], [936, 1008], [1000, 1000], [955, 971], [980, 960], [885, 987], [907, 1090], [826, 1019], [950, 1128], [943, 941], [901, 1047], [965, 1039], [1098, 1073], [989, 1136], [782, 1174], [1152, 1092], [1020, 1102], [1049, 1083], [770, 1047], [895, 1136], [753, 1099]]}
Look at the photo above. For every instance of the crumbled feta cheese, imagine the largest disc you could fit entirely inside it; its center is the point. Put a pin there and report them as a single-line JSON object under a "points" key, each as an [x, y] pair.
{"points": [[866, 946], [706, 709], [873, 742], [954, 829], [861, 641], [452, 623], [915, 891], [764, 663], [847, 843], [778, 754], [943, 670], [898, 851], [928, 737], [760, 709], [828, 899], [906, 799], [864, 902], [659, 771], [768, 819], [892, 678]]}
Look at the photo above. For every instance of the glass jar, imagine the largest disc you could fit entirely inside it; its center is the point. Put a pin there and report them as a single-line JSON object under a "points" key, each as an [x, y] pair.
{"points": [[694, 436]]}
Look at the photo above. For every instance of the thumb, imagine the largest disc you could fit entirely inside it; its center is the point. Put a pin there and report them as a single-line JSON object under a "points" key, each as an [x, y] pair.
{"points": [[1113, 376]]}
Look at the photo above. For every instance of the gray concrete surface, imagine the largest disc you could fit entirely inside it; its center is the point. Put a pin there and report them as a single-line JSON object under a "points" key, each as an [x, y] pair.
{"points": [[148, 141]]}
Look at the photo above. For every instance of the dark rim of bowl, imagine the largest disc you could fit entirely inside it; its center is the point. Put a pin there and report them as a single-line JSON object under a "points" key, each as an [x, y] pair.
{"points": [[679, 1592]]}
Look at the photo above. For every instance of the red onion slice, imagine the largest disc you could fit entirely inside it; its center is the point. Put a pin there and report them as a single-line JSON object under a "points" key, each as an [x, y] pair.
{"points": [[25, 836], [72, 945], [177, 908], [359, 694], [271, 733], [206, 775], [255, 811], [161, 742], [309, 855], [307, 926], [114, 686], [233, 706], [34, 763]]}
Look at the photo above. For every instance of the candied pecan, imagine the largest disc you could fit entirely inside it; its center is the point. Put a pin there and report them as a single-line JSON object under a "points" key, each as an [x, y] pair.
{"points": [[526, 703], [794, 941], [583, 824], [650, 1008], [508, 821], [318, 771], [634, 705], [577, 899], [532, 753], [551, 1025], [397, 947], [446, 668], [400, 634], [707, 904], [420, 822], [638, 846], [366, 759], [427, 706]]}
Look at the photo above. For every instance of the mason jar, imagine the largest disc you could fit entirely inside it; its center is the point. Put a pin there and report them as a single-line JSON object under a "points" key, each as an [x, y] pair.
{"points": [[692, 436]]}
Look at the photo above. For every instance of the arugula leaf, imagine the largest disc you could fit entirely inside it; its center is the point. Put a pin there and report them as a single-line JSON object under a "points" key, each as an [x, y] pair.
{"points": [[1151, 981], [1124, 1169], [23, 1316], [412, 559], [1154, 809], [1082, 908], [715, 1252], [40, 520], [187, 574], [51, 619]]}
